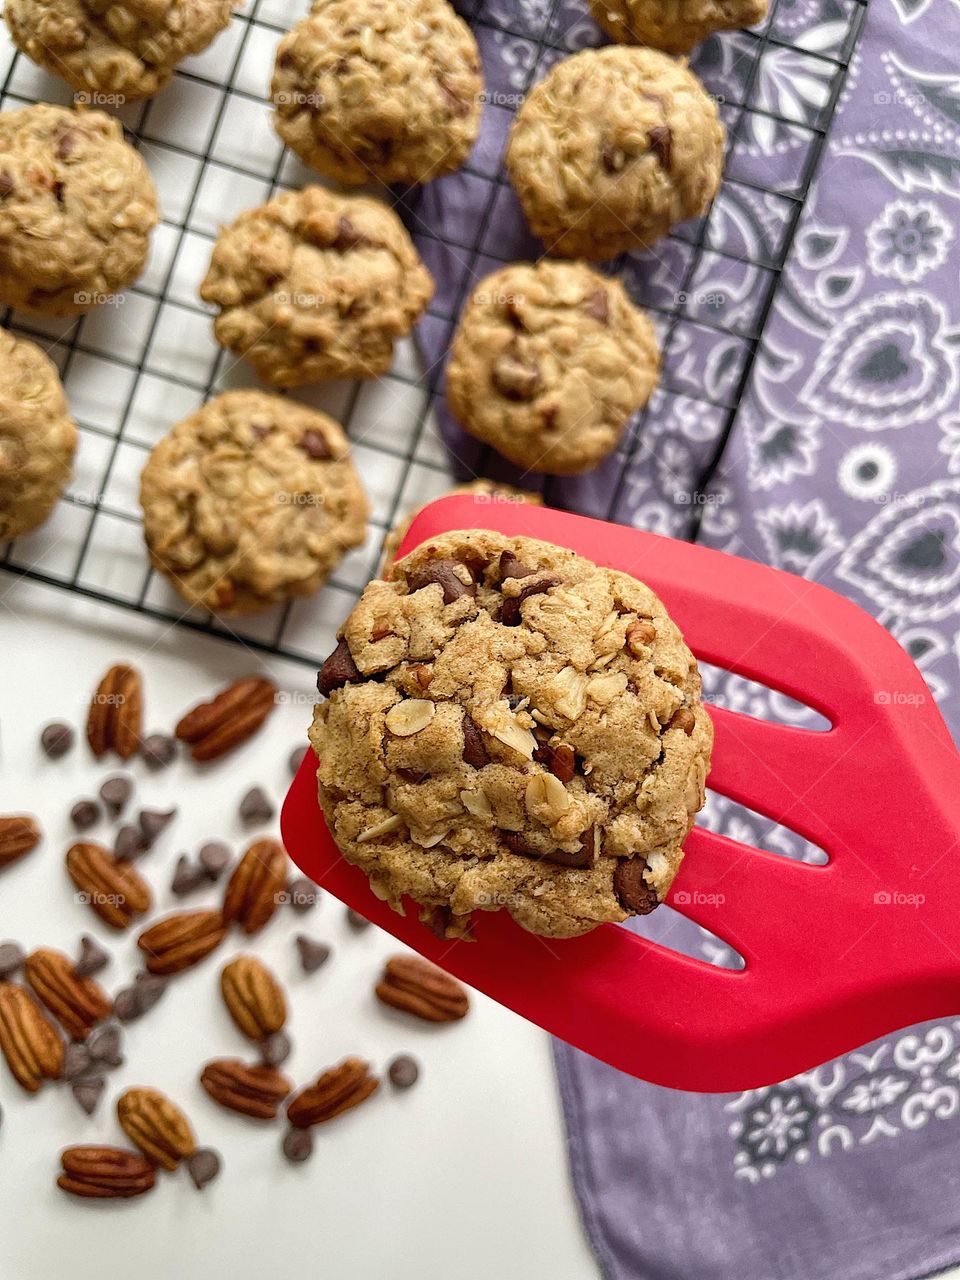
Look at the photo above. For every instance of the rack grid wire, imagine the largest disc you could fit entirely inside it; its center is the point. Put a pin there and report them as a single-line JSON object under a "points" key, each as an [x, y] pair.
{"points": [[134, 367]]}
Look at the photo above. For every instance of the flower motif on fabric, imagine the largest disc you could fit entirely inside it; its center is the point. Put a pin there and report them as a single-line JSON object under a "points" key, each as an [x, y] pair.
{"points": [[798, 536], [777, 1126], [867, 472], [908, 240]]}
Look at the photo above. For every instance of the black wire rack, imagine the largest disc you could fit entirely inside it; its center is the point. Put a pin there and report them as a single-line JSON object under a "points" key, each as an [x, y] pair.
{"points": [[137, 365]]}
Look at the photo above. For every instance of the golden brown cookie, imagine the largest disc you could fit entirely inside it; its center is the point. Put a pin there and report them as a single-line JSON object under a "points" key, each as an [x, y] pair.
{"points": [[673, 25]]}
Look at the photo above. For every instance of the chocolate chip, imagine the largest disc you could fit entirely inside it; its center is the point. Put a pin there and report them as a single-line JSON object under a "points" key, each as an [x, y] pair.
{"points": [[510, 612], [115, 793], [103, 1045], [403, 1071], [59, 190], [158, 750], [126, 1004], [356, 921], [338, 670], [88, 1093], [474, 750], [510, 567], [187, 876], [11, 958], [660, 138], [443, 573], [214, 858], [76, 1060], [56, 740], [93, 958], [275, 1049], [314, 445], [516, 379], [436, 920], [349, 237], [203, 1166], [296, 759], [597, 305], [612, 159], [633, 892], [256, 806], [312, 954], [298, 1145], [684, 718], [516, 843], [85, 814], [560, 760], [67, 144], [302, 894], [7, 186], [149, 988], [412, 775], [153, 821], [130, 843]]}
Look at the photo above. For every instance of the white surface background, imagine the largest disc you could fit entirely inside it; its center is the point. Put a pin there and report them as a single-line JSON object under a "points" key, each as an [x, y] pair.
{"points": [[464, 1174]]}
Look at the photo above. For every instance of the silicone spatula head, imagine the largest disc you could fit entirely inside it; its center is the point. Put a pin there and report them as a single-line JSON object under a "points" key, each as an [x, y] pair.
{"points": [[836, 954]]}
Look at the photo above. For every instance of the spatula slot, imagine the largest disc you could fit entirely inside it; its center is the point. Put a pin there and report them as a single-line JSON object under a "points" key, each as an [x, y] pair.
{"points": [[670, 929], [754, 831], [748, 697]]}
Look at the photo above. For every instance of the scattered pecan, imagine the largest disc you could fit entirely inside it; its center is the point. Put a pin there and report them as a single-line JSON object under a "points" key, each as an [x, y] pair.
{"points": [[181, 940], [105, 1173], [417, 986], [19, 834], [253, 1091], [29, 1042], [156, 1125], [115, 718], [253, 996], [336, 1090], [633, 892], [78, 1003], [255, 889], [114, 889], [231, 717]]}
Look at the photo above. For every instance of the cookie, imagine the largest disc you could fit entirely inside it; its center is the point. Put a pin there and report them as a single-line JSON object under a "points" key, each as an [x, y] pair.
{"points": [[613, 148], [315, 285], [506, 725], [491, 489], [37, 436], [387, 89], [120, 51], [674, 27], [250, 501], [77, 205], [548, 364]]}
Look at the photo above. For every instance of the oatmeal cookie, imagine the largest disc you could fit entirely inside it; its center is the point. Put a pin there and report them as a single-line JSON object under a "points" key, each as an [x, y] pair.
{"points": [[129, 50], [250, 501], [315, 285], [613, 148], [387, 89], [37, 436], [673, 25], [507, 725], [77, 205], [491, 489], [548, 364]]}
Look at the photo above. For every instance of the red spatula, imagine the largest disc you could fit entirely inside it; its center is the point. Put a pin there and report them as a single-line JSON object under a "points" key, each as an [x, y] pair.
{"points": [[836, 955]]}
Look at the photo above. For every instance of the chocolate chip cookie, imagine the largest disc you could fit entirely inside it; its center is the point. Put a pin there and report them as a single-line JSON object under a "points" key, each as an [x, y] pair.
{"points": [[549, 363], [613, 148], [314, 285], [387, 89], [507, 725], [77, 205], [674, 27], [120, 51], [37, 436], [250, 501]]}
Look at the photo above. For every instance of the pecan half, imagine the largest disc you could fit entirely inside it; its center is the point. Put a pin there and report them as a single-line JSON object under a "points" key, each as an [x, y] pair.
{"points": [[416, 986], [231, 717], [253, 1091], [255, 889], [115, 890], [180, 941], [30, 1043], [253, 996], [78, 1003], [19, 834], [336, 1090], [156, 1125], [105, 1173], [115, 718]]}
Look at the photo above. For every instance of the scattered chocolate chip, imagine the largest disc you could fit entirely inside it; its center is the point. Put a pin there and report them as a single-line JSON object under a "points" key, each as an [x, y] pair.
{"points": [[187, 876], [312, 954], [115, 793], [296, 759], [445, 574], [149, 988], [103, 1045], [314, 445], [510, 567], [126, 1004], [130, 843], [256, 806], [684, 718], [633, 892], [93, 958], [153, 821], [560, 760], [338, 670], [348, 236], [298, 1145], [214, 858], [76, 1060], [89, 1092], [302, 894], [7, 185], [56, 740], [474, 750], [660, 138], [515, 379], [11, 958], [85, 814], [356, 921], [275, 1049], [203, 1166], [597, 305], [510, 612], [158, 750], [403, 1071]]}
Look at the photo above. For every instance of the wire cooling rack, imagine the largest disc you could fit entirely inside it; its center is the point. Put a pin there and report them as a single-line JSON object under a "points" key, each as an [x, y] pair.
{"points": [[137, 365]]}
